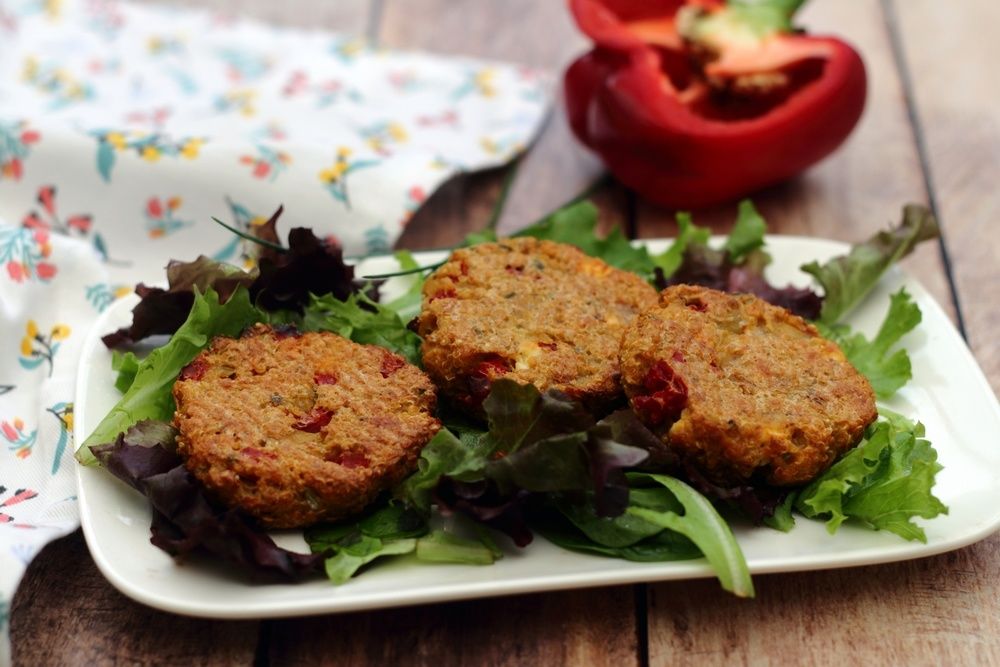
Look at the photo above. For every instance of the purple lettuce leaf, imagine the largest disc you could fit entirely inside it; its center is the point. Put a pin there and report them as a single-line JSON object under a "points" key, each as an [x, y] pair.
{"points": [[483, 502], [283, 281], [185, 518], [757, 502], [163, 311], [712, 268], [310, 266]]}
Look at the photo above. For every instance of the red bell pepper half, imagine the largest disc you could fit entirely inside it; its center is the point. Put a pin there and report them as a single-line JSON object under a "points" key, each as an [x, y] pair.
{"points": [[700, 102]]}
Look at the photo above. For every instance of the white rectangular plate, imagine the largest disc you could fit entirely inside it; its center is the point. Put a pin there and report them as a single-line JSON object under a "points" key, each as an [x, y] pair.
{"points": [[948, 394]]}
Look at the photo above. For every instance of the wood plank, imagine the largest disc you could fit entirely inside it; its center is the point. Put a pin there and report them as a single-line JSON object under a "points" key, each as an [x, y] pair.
{"points": [[956, 89], [860, 188], [66, 613], [590, 627], [941, 610], [555, 169], [934, 611], [579, 627]]}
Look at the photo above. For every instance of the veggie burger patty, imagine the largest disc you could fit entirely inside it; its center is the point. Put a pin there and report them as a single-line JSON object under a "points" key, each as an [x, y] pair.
{"points": [[297, 428], [534, 311], [741, 389]]}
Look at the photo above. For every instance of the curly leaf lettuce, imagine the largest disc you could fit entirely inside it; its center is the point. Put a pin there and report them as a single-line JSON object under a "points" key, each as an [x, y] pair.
{"points": [[149, 393], [362, 320], [887, 369], [883, 483], [847, 279]]}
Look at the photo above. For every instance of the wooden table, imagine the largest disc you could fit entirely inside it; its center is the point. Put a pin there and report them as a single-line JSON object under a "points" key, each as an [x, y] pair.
{"points": [[931, 133]]}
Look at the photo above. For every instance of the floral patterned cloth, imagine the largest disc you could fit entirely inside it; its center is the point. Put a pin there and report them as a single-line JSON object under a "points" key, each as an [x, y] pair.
{"points": [[124, 129]]}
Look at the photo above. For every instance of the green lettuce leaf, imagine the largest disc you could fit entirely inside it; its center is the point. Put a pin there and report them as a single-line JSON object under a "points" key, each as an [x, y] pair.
{"points": [[885, 368], [391, 529], [387, 529], [444, 547], [662, 546], [688, 235], [847, 279], [363, 321], [700, 523], [126, 364], [747, 234], [444, 455], [782, 519], [407, 305], [882, 484], [576, 224], [149, 394], [358, 550]]}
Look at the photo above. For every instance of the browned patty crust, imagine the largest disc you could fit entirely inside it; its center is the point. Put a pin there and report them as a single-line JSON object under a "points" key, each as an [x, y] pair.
{"points": [[533, 311], [741, 389], [298, 428]]}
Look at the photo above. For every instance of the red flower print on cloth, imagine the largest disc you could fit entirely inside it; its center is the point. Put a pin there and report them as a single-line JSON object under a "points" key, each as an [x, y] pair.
{"points": [[24, 254], [18, 440], [415, 196], [48, 219], [19, 496], [16, 140], [160, 218], [268, 163]]}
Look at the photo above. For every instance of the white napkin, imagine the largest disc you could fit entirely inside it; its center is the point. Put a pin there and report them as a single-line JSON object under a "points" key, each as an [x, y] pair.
{"points": [[124, 128]]}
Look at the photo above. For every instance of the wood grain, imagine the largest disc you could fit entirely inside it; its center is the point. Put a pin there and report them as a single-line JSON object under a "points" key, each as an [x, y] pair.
{"points": [[580, 627], [956, 90], [575, 628], [66, 613], [555, 169], [940, 610], [934, 611], [859, 189]]}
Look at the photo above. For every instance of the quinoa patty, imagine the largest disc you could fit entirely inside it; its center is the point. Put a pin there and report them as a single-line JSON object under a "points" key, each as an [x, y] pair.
{"points": [[298, 428], [741, 389], [533, 311]]}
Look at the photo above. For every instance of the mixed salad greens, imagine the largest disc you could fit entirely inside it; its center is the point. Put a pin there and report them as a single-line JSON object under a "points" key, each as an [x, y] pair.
{"points": [[600, 484]]}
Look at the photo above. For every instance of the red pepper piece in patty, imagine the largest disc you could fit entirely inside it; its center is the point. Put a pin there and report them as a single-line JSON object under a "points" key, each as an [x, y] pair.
{"points": [[349, 459], [390, 364], [324, 378], [483, 375], [314, 421], [666, 398], [699, 102], [194, 371]]}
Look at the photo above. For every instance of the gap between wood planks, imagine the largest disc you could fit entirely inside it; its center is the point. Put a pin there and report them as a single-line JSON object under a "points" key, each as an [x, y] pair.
{"points": [[913, 114]]}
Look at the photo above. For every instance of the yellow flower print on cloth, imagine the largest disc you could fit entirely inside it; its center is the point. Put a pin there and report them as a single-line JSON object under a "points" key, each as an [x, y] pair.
{"points": [[240, 100], [102, 295], [381, 137], [55, 82], [480, 82], [335, 176], [38, 349], [149, 146], [240, 250]]}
